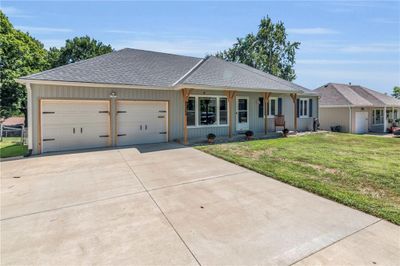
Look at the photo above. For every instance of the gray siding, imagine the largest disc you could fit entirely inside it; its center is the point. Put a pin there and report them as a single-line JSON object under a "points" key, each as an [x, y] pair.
{"points": [[175, 101]]}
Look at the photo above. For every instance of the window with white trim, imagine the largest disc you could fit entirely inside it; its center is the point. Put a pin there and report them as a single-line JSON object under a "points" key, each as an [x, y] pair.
{"points": [[191, 111], [304, 106], [377, 117], [203, 110]]}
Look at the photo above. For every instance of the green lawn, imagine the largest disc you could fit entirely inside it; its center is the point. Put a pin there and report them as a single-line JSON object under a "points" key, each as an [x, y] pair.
{"points": [[11, 147], [359, 171]]}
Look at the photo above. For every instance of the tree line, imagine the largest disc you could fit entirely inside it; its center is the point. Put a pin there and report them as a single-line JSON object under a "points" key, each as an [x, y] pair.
{"points": [[21, 54]]}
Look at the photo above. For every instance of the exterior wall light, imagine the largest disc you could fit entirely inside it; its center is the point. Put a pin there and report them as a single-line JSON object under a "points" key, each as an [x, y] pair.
{"points": [[113, 95]]}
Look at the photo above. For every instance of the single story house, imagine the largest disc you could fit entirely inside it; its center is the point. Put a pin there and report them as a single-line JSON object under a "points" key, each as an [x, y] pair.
{"points": [[134, 96], [356, 109]]}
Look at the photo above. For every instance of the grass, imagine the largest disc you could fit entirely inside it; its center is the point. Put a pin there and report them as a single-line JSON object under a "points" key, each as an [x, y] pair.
{"points": [[362, 172], [11, 147]]}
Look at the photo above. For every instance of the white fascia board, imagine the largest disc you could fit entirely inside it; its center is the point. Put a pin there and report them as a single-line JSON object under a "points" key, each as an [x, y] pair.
{"points": [[206, 87]]}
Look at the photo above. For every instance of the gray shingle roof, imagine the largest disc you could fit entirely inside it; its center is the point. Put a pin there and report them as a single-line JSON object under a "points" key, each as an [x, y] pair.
{"points": [[334, 94], [148, 68], [215, 72], [126, 66]]}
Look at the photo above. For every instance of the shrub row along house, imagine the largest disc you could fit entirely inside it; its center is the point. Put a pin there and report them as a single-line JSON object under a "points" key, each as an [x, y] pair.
{"points": [[357, 109], [134, 96]]}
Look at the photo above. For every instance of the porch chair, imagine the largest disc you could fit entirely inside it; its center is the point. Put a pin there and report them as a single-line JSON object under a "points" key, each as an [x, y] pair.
{"points": [[279, 122]]}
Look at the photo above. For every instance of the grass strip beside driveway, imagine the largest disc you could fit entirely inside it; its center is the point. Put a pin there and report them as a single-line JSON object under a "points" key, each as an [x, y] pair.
{"points": [[359, 171], [12, 147]]}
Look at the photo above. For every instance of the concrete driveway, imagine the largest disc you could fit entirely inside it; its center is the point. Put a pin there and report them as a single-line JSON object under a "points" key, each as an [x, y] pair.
{"points": [[168, 204]]}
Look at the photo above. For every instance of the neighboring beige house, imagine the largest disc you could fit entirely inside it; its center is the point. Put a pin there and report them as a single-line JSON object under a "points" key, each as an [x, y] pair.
{"points": [[134, 97], [356, 109]]}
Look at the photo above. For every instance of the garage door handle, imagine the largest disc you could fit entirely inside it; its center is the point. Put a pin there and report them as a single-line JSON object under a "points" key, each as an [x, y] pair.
{"points": [[103, 136], [145, 127], [140, 127], [73, 130], [48, 139], [121, 135], [81, 130]]}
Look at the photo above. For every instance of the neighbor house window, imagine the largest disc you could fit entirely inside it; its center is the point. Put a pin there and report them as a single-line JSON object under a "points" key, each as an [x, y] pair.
{"points": [[207, 111], [303, 108], [191, 111], [377, 117]]}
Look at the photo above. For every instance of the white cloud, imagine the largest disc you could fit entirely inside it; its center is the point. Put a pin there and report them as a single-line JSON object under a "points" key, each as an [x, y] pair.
{"points": [[311, 31], [345, 62], [189, 47], [42, 29], [11, 11], [385, 21], [371, 48], [53, 43]]}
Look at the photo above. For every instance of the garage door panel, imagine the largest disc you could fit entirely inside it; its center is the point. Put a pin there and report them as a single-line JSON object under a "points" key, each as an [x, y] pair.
{"points": [[69, 125], [141, 122]]}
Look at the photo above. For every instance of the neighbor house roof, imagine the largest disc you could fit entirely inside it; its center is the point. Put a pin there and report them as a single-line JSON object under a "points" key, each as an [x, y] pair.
{"points": [[154, 69], [14, 121], [334, 94]]}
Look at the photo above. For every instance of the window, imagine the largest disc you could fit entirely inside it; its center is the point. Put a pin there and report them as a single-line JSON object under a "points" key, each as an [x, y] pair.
{"points": [[191, 111], [377, 117], [273, 107], [207, 111], [303, 109], [223, 111], [261, 107]]}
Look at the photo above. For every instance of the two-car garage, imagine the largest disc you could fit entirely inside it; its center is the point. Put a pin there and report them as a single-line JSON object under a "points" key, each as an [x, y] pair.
{"points": [[86, 124]]}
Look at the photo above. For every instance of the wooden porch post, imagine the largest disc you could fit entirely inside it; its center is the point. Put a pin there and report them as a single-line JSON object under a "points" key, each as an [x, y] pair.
{"points": [[185, 96], [266, 107], [230, 96], [294, 99]]}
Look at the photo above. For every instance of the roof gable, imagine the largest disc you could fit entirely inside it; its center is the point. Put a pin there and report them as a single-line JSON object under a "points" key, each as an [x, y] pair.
{"points": [[334, 94]]}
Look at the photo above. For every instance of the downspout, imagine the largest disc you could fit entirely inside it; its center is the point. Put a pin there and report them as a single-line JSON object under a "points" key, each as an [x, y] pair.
{"points": [[30, 117], [350, 121]]}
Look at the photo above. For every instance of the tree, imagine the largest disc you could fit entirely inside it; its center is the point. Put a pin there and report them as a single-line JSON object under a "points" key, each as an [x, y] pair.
{"points": [[396, 92], [20, 55], [79, 48], [268, 50]]}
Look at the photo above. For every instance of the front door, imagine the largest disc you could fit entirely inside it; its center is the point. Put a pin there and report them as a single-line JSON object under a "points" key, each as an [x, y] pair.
{"points": [[361, 122], [242, 113]]}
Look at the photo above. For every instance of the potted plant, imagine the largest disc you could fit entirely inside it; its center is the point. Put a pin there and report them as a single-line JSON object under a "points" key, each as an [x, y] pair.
{"points": [[249, 134], [211, 137], [285, 132]]}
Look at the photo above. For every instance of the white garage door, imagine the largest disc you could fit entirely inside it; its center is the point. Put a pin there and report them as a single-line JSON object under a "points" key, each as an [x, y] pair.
{"points": [[140, 122], [74, 124]]}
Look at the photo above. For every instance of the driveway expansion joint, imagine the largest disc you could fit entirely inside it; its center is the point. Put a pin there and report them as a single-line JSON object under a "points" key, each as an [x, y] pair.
{"points": [[337, 241], [72, 206], [159, 208]]}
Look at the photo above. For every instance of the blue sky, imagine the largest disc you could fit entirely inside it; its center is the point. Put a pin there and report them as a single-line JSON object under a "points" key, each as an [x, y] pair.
{"points": [[341, 41]]}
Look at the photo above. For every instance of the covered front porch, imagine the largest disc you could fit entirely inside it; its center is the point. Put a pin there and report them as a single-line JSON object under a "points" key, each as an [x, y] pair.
{"points": [[230, 113], [385, 118]]}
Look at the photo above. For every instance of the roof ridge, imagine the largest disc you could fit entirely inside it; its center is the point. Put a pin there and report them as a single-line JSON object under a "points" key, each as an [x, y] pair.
{"points": [[158, 52], [369, 93], [191, 71], [333, 84], [239, 65]]}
